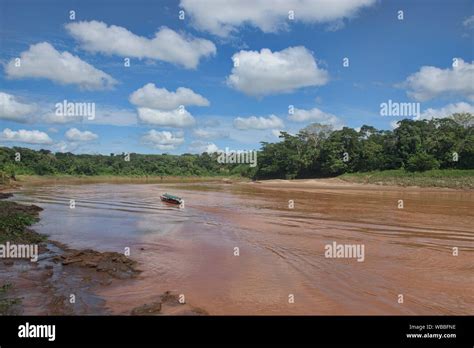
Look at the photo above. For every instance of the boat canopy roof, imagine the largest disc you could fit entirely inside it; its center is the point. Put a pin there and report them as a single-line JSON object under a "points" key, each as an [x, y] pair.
{"points": [[172, 197]]}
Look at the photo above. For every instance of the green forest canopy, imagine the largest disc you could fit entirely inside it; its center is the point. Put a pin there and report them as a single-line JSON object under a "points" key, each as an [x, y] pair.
{"points": [[316, 151]]}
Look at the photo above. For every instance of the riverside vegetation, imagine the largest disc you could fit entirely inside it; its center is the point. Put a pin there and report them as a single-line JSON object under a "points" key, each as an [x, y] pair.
{"points": [[441, 148]]}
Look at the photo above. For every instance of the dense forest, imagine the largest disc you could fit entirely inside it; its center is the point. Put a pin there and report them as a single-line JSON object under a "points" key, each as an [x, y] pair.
{"points": [[316, 151]]}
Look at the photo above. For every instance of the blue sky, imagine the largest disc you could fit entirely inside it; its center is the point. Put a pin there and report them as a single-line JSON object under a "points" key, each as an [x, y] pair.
{"points": [[409, 60]]}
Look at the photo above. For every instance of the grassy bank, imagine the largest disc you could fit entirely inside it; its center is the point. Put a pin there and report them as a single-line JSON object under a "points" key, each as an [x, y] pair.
{"points": [[14, 222], [450, 178], [117, 179]]}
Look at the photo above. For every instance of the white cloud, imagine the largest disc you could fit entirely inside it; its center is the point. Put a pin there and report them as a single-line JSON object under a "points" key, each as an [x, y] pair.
{"points": [[160, 98], [266, 72], [469, 22], [163, 140], [431, 82], [209, 134], [174, 118], [164, 108], [224, 17], [167, 45], [49, 116], [75, 134], [13, 110], [276, 132], [43, 61], [201, 146], [446, 111], [315, 115], [25, 136], [104, 115], [258, 122]]}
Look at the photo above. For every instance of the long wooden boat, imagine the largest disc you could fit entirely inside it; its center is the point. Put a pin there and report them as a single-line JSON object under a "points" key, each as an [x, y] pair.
{"points": [[171, 199]]}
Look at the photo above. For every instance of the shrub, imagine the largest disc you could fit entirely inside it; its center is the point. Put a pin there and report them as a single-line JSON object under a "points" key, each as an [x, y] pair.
{"points": [[421, 162]]}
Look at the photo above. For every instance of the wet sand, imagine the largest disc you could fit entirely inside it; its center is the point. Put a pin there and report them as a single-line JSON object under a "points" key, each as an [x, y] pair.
{"points": [[190, 251]]}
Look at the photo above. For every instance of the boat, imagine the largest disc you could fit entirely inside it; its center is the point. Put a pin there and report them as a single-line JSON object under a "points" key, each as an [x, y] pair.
{"points": [[171, 199]]}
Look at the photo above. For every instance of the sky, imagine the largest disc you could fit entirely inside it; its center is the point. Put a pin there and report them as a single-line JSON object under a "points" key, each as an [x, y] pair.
{"points": [[204, 75]]}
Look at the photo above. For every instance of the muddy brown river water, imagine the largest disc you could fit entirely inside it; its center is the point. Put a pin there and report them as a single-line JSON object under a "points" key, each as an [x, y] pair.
{"points": [[281, 267]]}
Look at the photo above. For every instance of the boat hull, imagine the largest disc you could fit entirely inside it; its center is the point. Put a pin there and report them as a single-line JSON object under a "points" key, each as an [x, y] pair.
{"points": [[170, 200]]}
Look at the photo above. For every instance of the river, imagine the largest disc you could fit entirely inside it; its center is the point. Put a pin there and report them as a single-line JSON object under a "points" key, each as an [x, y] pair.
{"points": [[280, 266]]}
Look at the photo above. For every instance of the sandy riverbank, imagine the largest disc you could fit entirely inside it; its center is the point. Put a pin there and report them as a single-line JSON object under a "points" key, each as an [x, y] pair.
{"points": [[309, 185]]}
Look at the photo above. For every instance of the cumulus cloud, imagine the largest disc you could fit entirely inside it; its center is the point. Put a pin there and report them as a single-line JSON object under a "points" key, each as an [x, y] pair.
{"points": [[431, 81], [315, 115], [42, 60], [224, 17], [104, 115], [254, 122], [446, 111], [175, 118], [25, 136], [14, 110], [167, 45], [164, 108], [163, 140], [266, 72], [202, 146], [76, 135], [160, 98]]}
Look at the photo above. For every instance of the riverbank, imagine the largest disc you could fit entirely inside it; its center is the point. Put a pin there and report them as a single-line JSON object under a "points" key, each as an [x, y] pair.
{"points": [[371, 182], [63, 280], [97, 179], [447, 178]]}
